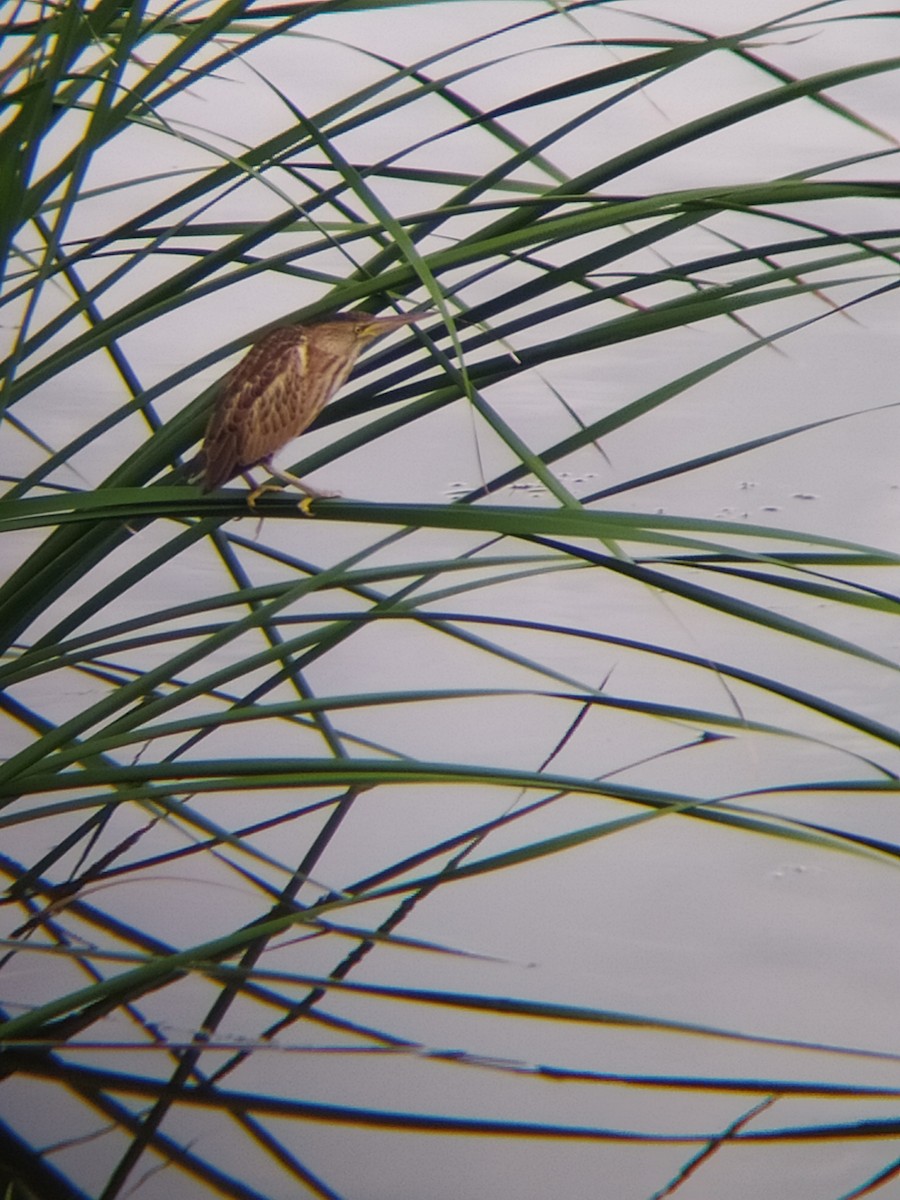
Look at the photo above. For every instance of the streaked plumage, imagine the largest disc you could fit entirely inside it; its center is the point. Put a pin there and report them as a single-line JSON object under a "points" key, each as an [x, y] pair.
{"points": [[278, 389]]}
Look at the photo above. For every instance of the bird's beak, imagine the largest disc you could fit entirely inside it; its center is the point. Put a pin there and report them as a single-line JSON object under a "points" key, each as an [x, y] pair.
{"points": [[381, 325]]}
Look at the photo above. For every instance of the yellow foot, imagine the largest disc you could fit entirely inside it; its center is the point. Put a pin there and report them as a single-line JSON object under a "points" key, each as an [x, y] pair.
{"points": [[306, 503], [261, 491]]}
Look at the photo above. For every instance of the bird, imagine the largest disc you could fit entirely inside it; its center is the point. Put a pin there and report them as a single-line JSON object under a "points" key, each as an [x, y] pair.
{"points": [[276, 392]]}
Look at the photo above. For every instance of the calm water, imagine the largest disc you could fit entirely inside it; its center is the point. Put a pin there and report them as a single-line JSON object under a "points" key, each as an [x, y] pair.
{"points": [[680, 920]]}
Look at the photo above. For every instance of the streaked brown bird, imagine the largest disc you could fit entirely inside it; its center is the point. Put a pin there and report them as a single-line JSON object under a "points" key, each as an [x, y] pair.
{"points": [[277, 390]]}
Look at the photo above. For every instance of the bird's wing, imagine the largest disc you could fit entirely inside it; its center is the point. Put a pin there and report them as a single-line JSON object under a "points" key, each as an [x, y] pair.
{"points": [[254, 415]]}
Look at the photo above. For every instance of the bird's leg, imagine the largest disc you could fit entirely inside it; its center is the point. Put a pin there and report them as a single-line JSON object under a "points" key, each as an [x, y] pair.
{"points": [[310, 493], [261, 491], [258, 490]]}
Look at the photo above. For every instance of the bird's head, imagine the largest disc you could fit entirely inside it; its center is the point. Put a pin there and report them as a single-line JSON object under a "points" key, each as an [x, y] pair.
{"points": [[356, 330]]}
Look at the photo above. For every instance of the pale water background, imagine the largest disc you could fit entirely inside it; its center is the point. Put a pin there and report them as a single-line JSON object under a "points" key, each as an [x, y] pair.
{"points": [[676, 919]]}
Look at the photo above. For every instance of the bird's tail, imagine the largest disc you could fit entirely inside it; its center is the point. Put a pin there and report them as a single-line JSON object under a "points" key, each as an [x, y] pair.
{"points": [[193, 470]]}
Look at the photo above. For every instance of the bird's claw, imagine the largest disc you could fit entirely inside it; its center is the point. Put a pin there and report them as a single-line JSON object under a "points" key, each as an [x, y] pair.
{"points": [[306, 503], [261, 491]]}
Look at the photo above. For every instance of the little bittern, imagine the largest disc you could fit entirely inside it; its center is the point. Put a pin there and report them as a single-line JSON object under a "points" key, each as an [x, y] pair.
{"points": [[277, 390]]}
